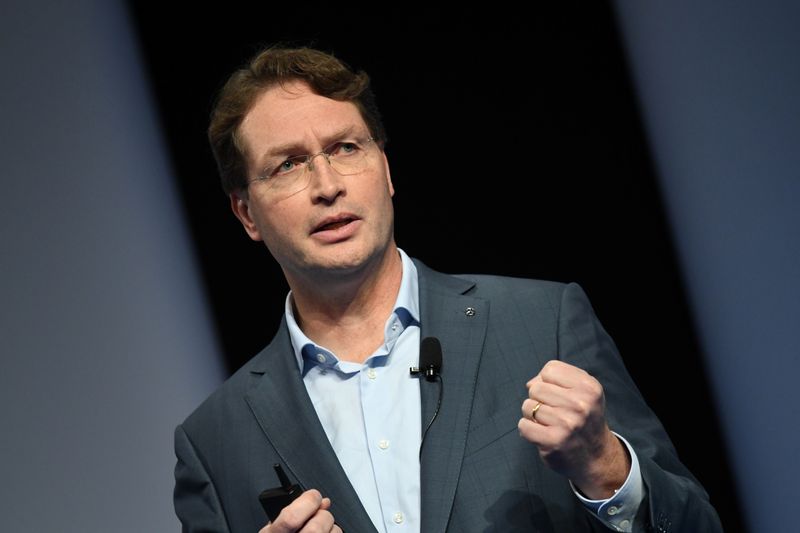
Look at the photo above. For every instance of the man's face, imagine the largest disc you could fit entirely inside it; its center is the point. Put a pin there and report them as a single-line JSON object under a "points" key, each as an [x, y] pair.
{"points": [[337, 223]]}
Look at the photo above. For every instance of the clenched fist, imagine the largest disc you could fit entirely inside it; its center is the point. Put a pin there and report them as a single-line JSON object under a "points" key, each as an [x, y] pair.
{"points": [[564, 416]]}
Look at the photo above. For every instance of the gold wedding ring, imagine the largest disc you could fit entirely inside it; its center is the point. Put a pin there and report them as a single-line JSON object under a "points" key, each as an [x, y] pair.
{"points": [[533, 411]]}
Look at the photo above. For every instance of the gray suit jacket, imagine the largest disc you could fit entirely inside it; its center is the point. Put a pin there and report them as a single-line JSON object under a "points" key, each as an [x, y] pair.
{"points": [[477, 473]]}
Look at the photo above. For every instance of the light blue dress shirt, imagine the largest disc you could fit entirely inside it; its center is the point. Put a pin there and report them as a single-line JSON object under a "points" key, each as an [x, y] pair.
{"points": [[371, 413]]}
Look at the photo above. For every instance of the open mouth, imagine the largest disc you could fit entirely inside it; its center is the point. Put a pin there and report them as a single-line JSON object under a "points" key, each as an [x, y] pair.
{"points": [[334, 224]]}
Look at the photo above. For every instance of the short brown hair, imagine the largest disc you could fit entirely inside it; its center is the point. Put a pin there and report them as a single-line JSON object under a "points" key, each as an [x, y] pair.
{"points": [[326, 75]]}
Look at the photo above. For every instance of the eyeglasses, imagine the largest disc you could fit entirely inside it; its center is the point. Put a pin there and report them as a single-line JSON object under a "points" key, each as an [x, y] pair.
{"points": [[346, 157]]}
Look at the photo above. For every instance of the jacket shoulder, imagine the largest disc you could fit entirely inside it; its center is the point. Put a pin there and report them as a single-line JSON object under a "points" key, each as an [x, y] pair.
{"points": [[226, 400], [525, 295], [510, 286]]}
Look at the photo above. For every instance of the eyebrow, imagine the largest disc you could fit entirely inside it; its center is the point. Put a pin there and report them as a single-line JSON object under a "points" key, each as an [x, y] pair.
{"points": [[299, 148]]}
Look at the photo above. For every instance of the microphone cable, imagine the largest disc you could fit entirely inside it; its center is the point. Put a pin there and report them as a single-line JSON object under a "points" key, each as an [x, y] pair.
{"points": [[435, 413]]}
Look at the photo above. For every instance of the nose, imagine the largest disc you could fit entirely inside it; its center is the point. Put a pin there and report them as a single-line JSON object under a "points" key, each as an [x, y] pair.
{"points": [[325, 183], [311, 158]]}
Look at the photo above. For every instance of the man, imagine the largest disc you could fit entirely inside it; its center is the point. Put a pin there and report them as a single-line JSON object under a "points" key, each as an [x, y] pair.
{"points": [[299, 145]]}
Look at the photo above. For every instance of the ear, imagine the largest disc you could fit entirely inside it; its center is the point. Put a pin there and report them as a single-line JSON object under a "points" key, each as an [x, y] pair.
{"points": [[388, 174], [240, 205]]}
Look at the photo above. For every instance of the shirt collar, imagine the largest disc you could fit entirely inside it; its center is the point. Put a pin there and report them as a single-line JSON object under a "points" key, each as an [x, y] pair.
{"points": [[406, 309]]}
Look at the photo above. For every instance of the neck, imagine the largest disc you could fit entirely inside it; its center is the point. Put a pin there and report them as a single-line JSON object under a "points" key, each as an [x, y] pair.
{"points": [[348, 314]]}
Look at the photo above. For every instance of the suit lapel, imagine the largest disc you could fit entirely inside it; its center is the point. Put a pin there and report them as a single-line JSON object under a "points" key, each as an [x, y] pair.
{"points": [[459, 322], [280, 403]]}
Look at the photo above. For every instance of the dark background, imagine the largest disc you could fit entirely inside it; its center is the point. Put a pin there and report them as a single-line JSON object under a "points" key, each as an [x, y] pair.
{"points": [[516, 148]]}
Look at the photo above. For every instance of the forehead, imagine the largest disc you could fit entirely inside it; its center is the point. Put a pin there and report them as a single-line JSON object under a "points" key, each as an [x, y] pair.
{"points": [[292, 114]]}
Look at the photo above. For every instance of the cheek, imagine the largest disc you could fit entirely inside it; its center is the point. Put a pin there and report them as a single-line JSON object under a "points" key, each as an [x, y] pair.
{"points": [[379, 187], [279, 223]]}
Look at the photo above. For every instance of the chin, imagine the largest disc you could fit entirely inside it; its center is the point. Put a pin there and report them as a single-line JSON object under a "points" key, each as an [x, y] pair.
{"points": [[343, 265], [345, 261]]}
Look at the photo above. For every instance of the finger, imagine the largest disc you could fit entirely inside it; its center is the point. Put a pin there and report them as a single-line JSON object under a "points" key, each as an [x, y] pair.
{"points": [[528, 407], [563, 374], [559, 372], [556, 395], [534, 379], [567, 420], [547, 415], [569, 387], [295, 515], [321, 521], [568, 404], [544, 437]]}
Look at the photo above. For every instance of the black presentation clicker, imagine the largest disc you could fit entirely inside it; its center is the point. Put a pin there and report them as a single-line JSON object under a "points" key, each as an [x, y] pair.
{"points": [[273, 500]]}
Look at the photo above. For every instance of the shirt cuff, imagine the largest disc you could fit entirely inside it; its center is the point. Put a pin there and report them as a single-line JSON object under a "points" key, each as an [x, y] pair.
{"points": [[618, 511]]}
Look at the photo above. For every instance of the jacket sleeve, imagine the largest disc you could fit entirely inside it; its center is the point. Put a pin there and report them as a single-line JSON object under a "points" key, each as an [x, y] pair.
{"points": [[674, 499], [196, 502]]}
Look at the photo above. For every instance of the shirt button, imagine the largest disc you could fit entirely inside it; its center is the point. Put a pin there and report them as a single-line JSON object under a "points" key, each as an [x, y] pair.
{"points": [[394, 326], [612, 510], [371, 373], [383, 444], [624, 525], [398, 518], [321, 357]]}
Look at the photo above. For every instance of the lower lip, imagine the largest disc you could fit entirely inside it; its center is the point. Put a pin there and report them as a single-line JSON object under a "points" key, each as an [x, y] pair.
{"points": [[341, 233]]}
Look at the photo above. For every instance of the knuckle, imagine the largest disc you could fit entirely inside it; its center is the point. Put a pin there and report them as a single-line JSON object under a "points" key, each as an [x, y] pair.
{"points": [[560, 436], [571, 426], [322, 522], [290, 517], [583, 407], [548, 369], [594, 387]]}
